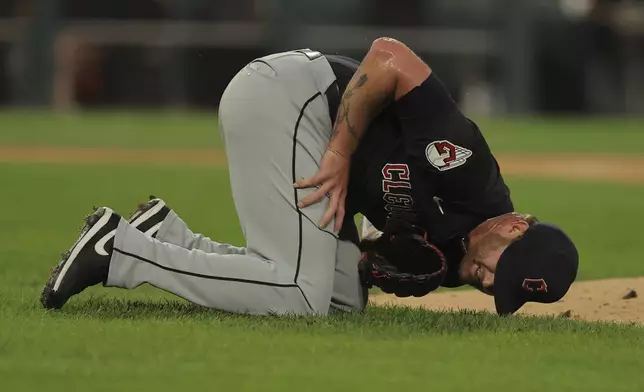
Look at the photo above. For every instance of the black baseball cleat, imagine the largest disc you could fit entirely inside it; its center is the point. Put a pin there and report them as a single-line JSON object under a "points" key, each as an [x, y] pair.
{"points": [[86, 263], [149, 216]]}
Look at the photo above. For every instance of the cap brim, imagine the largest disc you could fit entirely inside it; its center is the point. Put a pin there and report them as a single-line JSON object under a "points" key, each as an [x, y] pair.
{"points": [[506, 299], [506, 305]]}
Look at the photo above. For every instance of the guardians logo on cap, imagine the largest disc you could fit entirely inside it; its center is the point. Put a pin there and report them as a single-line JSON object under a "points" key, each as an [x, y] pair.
{"points": [[539, 267]]}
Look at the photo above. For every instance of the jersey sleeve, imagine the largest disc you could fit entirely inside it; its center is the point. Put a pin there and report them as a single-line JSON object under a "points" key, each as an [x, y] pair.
{"points": [[445, 145]]}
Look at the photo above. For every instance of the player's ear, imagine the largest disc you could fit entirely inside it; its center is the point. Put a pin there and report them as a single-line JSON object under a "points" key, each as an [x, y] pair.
{"points": [[488, 280], [516, 228]]}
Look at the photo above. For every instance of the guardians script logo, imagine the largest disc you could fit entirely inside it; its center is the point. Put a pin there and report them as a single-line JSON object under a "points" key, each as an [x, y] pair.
{"points": [[396, 188]]}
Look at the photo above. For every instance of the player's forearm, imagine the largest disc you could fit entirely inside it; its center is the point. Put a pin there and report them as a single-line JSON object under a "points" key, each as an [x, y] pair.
{"points": [[371, 87], [389, 71]]}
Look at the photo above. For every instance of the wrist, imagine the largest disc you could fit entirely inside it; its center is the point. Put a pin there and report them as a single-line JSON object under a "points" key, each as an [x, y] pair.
{"points": [[343, 146], [338, 153]]}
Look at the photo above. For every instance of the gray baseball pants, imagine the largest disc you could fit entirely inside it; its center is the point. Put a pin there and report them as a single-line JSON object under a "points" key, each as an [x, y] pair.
{"points": [[275, 124]]}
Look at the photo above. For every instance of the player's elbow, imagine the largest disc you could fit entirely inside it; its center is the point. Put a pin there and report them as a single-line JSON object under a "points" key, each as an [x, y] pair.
{"points": [[386, 51], [400, 62], [387, 45]]}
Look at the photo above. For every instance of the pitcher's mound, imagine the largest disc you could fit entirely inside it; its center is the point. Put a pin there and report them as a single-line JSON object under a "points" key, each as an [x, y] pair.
{"points": [[620, 300]]}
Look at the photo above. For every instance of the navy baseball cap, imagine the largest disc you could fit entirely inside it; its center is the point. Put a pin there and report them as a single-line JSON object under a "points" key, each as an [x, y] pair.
{"points": [[538, 267]]}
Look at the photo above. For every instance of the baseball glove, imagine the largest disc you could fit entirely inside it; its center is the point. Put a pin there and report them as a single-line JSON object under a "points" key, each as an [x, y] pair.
{"points": [[401, 261]]}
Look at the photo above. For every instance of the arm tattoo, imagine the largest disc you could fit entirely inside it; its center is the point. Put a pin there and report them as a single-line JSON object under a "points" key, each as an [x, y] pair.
{"points": [[344, 109], [362, 80], [343, 112]]}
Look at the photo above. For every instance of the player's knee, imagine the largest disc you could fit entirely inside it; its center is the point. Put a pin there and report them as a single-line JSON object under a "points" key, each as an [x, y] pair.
{"points": [[307, 308], [351, 305], [316, 296]]}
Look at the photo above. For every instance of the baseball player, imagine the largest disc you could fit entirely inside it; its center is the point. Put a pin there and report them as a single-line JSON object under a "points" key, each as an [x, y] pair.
{"points": [[424, 160], [422, 174]]}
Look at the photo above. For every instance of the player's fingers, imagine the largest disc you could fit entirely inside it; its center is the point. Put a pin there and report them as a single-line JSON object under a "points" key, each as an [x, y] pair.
{"points": [[339, 214], [339, 217], [315, 196], [304, 183], [330, 211]]}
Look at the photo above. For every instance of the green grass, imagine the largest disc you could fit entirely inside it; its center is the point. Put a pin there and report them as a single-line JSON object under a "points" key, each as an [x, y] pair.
{"points": [[109, 129], [147, 340], [109, 344], [565, 135], [178, 129]]}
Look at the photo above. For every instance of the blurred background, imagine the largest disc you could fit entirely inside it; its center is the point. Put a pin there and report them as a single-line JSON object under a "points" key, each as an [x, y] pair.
{"points": [[497, 56]]}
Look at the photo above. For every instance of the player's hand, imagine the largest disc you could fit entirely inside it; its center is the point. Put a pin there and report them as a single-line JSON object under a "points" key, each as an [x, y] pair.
{"points": [[332, 179]]}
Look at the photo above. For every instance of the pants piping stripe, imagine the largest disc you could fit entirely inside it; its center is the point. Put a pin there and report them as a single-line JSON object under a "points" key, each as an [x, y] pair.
{"points": [[299, 212], [211, 277]]}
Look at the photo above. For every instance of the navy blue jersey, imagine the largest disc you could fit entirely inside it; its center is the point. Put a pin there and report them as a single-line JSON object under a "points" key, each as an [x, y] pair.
{"points": [[422, 158]]}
